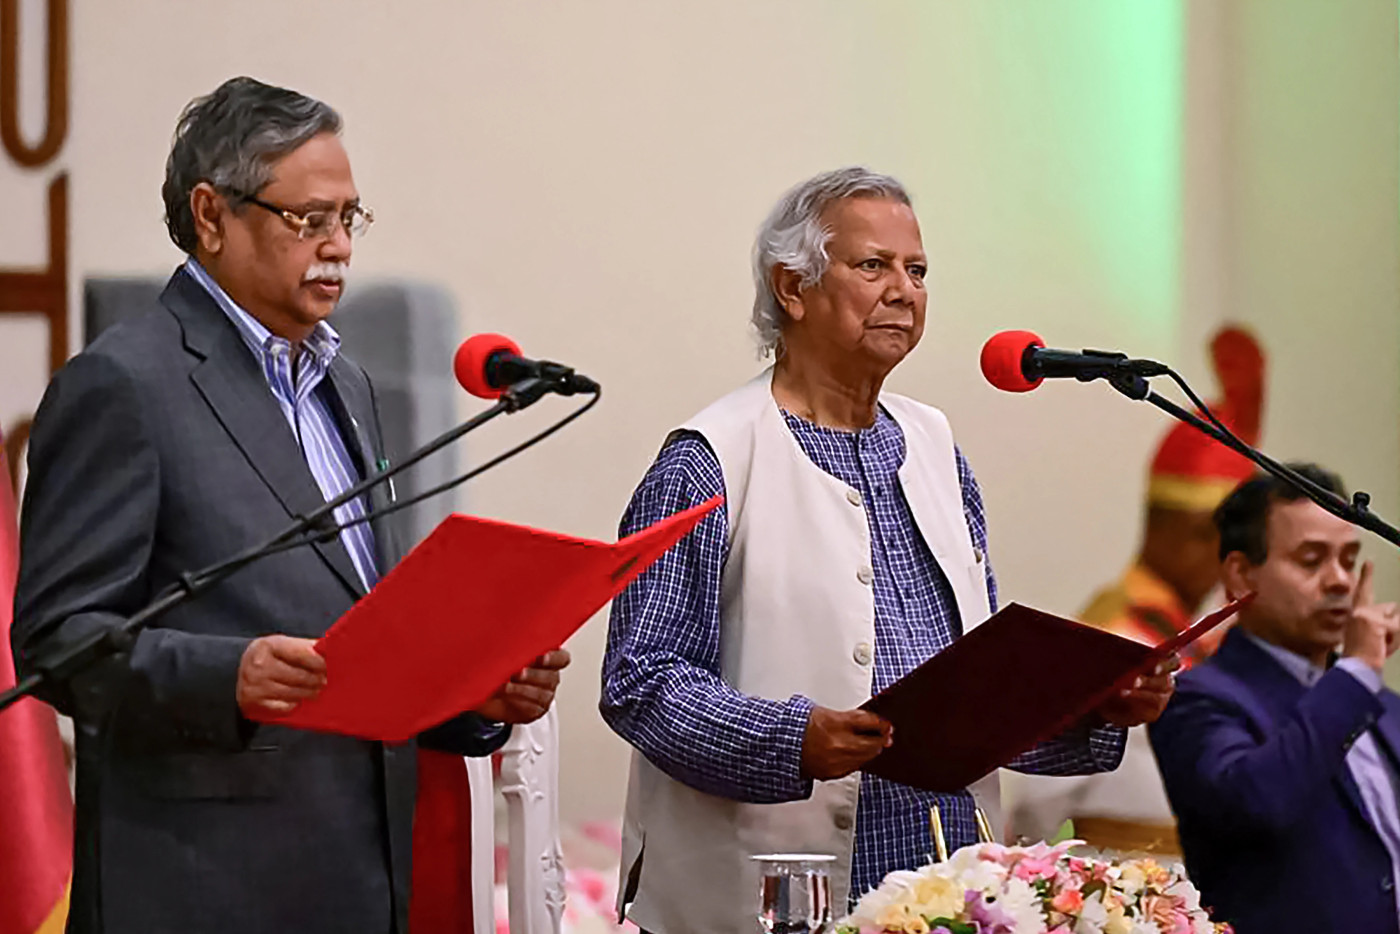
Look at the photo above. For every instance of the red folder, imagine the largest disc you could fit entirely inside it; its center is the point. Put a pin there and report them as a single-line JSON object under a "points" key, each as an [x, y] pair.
{"points": [[473, 604], [1018, 679]]}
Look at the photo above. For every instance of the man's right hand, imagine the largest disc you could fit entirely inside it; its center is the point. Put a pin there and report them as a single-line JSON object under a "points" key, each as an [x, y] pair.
{"points": [[278, 672], [838, 742], [1371, 633]]}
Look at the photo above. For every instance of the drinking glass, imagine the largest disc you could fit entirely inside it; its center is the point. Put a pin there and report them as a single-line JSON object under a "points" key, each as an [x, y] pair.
{"points": [[794, 893]]}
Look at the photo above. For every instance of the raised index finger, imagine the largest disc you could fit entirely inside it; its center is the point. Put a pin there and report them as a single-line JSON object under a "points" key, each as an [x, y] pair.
{"points": [[1365, 590]]}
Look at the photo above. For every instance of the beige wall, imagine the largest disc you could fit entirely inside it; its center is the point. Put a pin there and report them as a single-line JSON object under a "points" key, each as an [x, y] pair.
{"points": [[587, 177]]}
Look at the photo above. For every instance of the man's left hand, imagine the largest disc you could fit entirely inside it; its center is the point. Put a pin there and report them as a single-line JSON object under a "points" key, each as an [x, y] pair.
{"points": [[527, 696], [1146, 699]]}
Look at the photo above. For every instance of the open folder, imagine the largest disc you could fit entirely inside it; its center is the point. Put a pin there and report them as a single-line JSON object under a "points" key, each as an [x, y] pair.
{"points": [[1018, 679], [473, 604]]}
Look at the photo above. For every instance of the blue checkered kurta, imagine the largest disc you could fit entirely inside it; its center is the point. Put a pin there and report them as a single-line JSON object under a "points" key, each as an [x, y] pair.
{"points": [[663, 693]]}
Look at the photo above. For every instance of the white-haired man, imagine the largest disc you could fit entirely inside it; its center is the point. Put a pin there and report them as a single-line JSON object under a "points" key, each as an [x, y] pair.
{"points": [[852, 547]]}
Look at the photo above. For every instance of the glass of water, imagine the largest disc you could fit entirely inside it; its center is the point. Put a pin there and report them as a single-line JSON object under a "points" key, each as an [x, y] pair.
{"points": [[794, 893]]}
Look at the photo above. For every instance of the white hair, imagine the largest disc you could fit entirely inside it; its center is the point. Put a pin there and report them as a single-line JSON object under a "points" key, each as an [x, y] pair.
{"points": [[793, 237]]}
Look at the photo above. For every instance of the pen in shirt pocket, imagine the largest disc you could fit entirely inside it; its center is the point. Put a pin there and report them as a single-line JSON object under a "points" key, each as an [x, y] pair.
{"points": [[380, 466]]}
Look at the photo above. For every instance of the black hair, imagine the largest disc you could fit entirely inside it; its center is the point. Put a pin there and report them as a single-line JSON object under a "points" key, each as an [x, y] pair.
{"points": [[1243, 518], [230, 138]]}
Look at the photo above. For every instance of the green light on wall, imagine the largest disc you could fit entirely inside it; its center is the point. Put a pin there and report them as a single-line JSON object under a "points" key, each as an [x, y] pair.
{"points": [[1074, 111]]}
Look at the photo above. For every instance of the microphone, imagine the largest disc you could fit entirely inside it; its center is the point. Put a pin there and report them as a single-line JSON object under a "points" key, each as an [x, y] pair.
{"points": [[1019, 361], [488, 364]]}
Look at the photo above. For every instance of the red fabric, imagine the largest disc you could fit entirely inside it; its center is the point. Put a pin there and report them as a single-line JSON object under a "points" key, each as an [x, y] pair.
{"points": [[441, 902], [1186, 452], [36, 809], [1238, 362]]}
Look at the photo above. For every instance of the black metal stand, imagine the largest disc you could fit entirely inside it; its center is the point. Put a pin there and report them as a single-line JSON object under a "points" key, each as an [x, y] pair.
{"points": [[318, 525], [1356, 511]]}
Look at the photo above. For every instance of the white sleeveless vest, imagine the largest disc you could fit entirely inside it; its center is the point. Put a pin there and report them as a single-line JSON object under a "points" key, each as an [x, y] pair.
{"points": [[797, 617]]}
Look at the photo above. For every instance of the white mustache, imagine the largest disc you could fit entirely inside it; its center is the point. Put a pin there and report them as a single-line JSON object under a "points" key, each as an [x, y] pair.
{"points": [[335, 271]]}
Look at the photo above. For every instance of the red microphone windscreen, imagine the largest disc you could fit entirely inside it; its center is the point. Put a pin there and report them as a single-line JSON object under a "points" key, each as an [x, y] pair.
{"points": [[470, 362], [1001, 360]]}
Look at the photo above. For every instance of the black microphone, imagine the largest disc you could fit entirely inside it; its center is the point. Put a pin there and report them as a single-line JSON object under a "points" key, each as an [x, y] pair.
{"points": [[1017, 361], [488, 364]]}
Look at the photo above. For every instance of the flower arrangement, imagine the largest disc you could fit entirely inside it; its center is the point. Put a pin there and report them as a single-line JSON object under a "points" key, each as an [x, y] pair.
{"points": [[993, 889]]}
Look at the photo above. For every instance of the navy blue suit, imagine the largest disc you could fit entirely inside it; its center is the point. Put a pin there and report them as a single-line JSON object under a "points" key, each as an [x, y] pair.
{"points": [[1273, 827]]}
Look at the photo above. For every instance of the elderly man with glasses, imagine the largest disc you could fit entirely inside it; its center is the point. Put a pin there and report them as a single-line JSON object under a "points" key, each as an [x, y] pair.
{"points": [[177, 439], [852, 547]]}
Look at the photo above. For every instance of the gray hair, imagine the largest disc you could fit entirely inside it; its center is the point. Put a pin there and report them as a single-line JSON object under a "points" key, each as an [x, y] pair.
{"points": [[231, 139], [793, 237]]}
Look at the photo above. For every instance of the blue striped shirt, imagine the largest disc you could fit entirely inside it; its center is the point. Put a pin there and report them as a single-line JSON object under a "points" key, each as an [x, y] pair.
{"points": [[297, 386], [662, 689]]}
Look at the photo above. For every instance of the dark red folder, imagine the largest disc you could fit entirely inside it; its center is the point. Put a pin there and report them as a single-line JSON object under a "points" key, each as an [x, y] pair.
{"points": [[474, 603], [1018, 679]]}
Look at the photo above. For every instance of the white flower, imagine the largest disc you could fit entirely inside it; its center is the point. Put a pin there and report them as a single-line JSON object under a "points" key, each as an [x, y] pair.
{"points": [[1093, 916], [938, 897], [1132, 879], [896, 888], [1021, 902], [1188, 894], [1145, 927]]}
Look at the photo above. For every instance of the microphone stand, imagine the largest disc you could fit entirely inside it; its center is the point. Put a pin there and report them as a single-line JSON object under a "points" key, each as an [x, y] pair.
{"points": [[316, 526], [1357, 510]]}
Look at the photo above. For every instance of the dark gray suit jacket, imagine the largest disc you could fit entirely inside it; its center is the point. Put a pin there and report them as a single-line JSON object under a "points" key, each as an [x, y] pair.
{"points": [[160, 450]]}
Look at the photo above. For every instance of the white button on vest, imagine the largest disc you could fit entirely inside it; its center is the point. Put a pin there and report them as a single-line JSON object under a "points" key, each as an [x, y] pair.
{"points": [[854, 496], [865, 575], [862, 653]]}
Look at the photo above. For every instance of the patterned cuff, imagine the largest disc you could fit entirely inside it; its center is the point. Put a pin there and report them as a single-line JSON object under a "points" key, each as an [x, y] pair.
{"points": [[1106, 745], [792, 730], [1368, 676]]}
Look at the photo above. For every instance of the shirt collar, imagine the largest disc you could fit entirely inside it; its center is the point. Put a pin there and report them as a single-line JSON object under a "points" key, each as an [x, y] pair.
{"points": [[323, 343], [1296, 665]]}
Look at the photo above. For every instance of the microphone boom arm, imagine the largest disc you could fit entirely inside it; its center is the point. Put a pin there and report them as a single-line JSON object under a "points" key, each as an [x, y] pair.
{"points": [[101, 643], [1357, 511]]}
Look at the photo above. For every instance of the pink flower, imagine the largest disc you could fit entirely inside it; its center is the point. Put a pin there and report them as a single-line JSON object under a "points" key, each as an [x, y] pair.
{"points": [[1033, 868], [1168, 912], [1068, 901]]}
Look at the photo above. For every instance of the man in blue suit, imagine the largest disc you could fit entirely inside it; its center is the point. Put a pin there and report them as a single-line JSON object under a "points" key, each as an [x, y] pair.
{"points": [[1280, 754]]}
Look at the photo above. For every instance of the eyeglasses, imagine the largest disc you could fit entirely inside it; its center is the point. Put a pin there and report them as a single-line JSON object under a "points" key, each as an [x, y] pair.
{"points": [[319, 225]]}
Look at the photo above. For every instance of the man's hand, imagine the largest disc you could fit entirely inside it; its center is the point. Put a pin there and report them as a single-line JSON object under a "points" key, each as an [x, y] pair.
{"points": [[278, 672], [1372, 629], [1146, 699], [838, 742], [527, 696]]}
